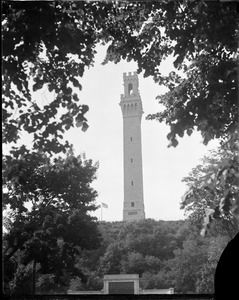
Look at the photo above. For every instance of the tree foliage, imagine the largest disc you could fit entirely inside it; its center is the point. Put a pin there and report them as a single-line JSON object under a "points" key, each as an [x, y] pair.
{"points": [[206, 96], [205, 280], [213, 187], [203, 38], [47, 212], [51, 44], [187, 264], [189, 268]]}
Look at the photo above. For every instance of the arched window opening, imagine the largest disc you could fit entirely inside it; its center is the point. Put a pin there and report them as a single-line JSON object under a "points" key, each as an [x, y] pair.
{"points": [[130, 89], [127, 109], [124, 108]]}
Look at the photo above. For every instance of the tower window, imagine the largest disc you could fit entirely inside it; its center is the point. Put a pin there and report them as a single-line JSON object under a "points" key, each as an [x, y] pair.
{"points": [[130, 89], [131, 159], [132, 204], [132, 183], [131, 139]]}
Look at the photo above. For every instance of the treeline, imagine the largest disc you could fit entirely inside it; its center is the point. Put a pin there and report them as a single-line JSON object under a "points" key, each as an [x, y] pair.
{"points": [[164, 253]]}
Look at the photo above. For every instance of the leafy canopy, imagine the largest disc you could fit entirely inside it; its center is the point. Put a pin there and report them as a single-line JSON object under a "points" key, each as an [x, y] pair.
{"points": [[213, 188], [47, 218], [177, 255], [49, 44]]}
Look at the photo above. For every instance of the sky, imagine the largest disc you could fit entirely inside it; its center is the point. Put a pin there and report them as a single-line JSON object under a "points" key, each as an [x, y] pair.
{"points": [[163, 167]]}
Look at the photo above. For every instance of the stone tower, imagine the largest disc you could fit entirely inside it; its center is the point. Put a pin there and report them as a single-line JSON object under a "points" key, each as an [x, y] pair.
{"points": [[132, 111]]}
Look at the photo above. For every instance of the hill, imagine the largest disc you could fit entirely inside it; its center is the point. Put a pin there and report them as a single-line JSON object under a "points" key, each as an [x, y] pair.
{"points": [[164, 253]]}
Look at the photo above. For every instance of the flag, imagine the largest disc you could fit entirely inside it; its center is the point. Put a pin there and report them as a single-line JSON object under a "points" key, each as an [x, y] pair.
{"points": [[104, 205]]}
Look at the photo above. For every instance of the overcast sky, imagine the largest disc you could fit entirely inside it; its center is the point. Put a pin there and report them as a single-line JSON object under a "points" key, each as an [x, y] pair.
{"points": [[163, 167]]}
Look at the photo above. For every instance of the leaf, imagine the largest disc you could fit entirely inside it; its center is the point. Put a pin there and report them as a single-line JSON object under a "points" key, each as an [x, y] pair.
{"points": [[207, 221], [173, 142], [37, 86], [79, 123], [75, 97], [85, 126], [225, 203], [75, 82], [216, 213], [68, 126], [189, 131], [84, 109]]}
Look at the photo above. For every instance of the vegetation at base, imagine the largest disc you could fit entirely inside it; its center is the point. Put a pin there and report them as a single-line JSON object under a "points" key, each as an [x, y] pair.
{"points": [[213, 188], [47, 204], [164, 253]]}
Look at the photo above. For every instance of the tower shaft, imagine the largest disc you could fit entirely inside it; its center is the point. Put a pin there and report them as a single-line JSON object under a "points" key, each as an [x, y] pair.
{"points": [[132, 111]]}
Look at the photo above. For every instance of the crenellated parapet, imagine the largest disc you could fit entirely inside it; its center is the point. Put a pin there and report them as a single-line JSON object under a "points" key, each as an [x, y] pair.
{"points": [[130, 103], [131, 86]]}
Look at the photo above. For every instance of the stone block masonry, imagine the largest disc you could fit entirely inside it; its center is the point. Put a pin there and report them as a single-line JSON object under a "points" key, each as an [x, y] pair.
{"points": [[132, 110]]}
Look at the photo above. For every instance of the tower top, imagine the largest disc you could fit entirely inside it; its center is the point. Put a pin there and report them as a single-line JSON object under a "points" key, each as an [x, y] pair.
{"points": [[130, 74], [131, 87], [130, 103]]}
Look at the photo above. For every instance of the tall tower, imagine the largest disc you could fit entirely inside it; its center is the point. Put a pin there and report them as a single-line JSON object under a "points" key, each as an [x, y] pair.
{"points": [[132, 111]]}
